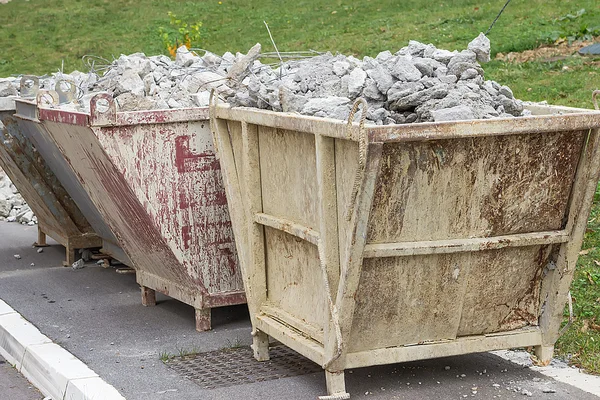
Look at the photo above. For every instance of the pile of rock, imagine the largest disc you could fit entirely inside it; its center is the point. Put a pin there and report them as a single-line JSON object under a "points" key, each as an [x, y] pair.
{"points": [[419, 83], [12, 206]]}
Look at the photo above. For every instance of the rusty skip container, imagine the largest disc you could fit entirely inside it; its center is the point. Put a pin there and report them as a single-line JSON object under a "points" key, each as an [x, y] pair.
{"points": [[35, 136], [58, 216], [155, 180], [386, 244]]}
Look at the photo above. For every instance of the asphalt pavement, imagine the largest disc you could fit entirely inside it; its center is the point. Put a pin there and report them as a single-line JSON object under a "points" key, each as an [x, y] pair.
{"points": [[96, 314], [13, 386]]}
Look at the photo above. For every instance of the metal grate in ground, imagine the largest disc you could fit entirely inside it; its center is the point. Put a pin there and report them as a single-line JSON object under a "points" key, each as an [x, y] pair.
{"points": [[237, 366]]}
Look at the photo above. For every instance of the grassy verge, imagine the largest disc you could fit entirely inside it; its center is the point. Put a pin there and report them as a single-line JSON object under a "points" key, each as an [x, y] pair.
{"points": [[581, 343], [40, 36]]}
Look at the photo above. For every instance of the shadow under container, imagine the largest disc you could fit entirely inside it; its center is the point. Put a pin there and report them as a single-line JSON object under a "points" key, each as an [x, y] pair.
{"points": [[155, 180], [387, 244], [58, 216]]}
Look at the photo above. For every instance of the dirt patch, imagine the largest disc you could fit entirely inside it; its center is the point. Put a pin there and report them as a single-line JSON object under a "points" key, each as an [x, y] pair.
{"points": [[559, 50]]}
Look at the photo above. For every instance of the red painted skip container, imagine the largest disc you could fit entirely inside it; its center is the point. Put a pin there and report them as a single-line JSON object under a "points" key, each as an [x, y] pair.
{"points": [[155, 180]]}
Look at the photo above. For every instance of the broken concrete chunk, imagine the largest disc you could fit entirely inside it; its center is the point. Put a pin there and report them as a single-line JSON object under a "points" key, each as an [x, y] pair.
{"points": [[184, 57], [453, 114], [371, 90], [481, 47], [291, 102], [404, 70], [332, 107], [403, 89], [383, 79], [8, 89], [340, 68], [239, 69], [130, 82], [356, 82], [131, 102], [505, 91], [443, 56], [469, 73]]}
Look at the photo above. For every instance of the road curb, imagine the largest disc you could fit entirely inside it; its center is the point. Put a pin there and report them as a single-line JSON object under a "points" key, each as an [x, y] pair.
{"points": [[52, 369]]}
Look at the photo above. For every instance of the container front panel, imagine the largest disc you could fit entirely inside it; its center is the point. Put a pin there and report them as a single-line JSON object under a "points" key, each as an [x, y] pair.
{"points": [[289, 191], [294, 279], [289, 176]]}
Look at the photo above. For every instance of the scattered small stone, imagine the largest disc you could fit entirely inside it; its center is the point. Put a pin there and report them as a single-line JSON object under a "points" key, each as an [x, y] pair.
{"points": [[40, 250], [79, 264], [17, 256], [447, 368], [526, 392], [548, 390]]}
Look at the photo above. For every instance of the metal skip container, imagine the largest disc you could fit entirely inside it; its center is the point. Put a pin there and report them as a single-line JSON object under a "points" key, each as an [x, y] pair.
{"points": [[34, 134], [366, 245], [58, 216], [155, 180]]}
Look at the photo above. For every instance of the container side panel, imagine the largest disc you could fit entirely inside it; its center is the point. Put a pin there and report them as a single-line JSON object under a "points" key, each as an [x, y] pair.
{"points": [[173, 171], [407, 300], [294, 279], [476, 187], [403, 300], [289, 176], [503, 289]]}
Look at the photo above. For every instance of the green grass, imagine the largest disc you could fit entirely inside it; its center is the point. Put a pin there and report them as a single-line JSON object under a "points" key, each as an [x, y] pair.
{"points": [[39, 36], [580, 345]]}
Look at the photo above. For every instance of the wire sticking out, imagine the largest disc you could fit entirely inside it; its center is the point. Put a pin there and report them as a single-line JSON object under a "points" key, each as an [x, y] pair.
{"points": [[496, 19], [276, 50]]}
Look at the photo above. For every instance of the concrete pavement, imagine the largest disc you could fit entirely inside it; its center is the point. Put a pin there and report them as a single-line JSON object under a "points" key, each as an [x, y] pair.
{"points": [[96, 314]]}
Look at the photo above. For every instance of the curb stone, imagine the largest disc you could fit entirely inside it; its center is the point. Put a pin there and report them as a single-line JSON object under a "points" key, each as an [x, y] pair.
{"points": [[53, 370]]}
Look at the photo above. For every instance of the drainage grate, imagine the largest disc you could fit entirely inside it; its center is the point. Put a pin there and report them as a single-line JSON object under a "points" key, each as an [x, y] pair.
{"points": [[237, 366]]}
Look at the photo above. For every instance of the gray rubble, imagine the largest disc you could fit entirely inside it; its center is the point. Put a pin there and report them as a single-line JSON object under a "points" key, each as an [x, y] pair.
{"points": [[12, 206], [418, 83]]}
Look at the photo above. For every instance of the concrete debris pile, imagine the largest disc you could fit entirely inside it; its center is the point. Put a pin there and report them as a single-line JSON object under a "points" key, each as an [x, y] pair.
{"points": [[419, 83], [138, 82], [12, 206]]}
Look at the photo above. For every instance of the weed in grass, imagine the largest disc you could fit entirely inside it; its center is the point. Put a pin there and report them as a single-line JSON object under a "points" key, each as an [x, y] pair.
{"points": [[179, 33], [571, 28]]}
